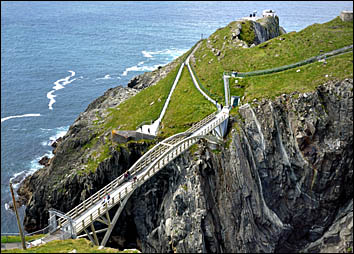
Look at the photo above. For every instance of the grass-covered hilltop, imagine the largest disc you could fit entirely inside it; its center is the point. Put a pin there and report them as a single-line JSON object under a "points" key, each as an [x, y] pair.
{"points": [[279, 181], [223, 51]]}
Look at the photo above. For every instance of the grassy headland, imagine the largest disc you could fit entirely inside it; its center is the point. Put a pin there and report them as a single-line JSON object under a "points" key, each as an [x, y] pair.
{"points": [[282, 50], [188, 106]]}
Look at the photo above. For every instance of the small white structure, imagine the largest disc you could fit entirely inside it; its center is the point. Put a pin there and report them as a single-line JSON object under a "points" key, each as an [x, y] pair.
{"points": [[269, 13], [346, 16]]}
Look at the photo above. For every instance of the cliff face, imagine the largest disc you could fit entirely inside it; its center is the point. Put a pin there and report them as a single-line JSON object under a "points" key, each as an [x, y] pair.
{"points": [[266, 29], [283, 183]]}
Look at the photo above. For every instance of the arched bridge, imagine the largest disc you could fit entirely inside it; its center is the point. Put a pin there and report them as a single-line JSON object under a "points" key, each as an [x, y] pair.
{"points": [[83, 216]]}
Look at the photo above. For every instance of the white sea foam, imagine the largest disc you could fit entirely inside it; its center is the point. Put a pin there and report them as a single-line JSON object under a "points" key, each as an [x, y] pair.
{"points": [[105, 77], [19, 116], [51, 96], [173, 52], [146, 54], [34, 164], [140, 68], [59, 84], [59, 132], [167, 55]]}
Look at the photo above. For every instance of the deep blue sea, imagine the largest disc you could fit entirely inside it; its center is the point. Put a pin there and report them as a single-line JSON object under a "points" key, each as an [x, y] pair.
{"points": [[57, 57]]}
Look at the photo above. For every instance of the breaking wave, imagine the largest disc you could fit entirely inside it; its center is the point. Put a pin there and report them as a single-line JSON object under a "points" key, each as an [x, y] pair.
{"points": [[59, 84], [19, 116]]}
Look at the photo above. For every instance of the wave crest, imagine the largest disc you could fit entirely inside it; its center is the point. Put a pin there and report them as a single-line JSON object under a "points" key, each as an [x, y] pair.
{"points": [[59, 84], [18, 116]]}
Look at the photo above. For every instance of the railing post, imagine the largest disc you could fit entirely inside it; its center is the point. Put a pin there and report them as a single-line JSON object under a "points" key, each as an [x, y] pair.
{"points": [[99, 211], [76, 212]]}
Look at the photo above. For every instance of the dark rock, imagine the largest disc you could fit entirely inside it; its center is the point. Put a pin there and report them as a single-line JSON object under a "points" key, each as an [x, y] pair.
{"points": [[44, 161], [55, 143]]}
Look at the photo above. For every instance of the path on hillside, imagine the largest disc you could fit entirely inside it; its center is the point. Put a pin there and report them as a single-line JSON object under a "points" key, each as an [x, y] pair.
{"points": [[153, 127], [291, 66], [196, 84]]}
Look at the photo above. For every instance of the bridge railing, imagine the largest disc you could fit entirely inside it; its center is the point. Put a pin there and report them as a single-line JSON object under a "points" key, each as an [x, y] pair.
{"points": [[141, 163], [153, 167]]}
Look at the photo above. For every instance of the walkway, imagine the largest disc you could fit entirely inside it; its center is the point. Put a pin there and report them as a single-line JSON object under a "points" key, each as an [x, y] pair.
{"points": [[153, 128], [195, 81], [92, 209], [290, 66]]}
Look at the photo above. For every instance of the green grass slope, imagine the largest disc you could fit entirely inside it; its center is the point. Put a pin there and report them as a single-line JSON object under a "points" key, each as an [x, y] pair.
{"points": [[283, 50], [188, 106]]}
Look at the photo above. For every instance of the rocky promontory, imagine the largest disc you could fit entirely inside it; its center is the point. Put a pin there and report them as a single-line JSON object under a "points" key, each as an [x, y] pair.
{"points": [[281, 181]]}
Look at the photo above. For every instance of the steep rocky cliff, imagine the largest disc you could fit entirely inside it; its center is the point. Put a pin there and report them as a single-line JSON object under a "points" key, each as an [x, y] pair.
{"points": [[282, 182]]}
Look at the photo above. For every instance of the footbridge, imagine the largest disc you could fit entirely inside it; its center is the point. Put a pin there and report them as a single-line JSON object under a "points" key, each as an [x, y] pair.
{"points": [[77, 221], [81, 220]]}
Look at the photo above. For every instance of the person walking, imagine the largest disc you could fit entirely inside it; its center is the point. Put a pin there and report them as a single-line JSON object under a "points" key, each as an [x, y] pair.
{"points": [[104, 201], [126, 175], [108, 198]]}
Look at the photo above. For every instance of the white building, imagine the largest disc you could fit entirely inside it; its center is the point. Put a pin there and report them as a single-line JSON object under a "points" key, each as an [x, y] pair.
{"points": [[267, 13]]}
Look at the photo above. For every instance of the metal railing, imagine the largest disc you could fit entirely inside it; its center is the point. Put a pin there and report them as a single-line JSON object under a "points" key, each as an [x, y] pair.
{"points": [[297, 64], [140, 164], [152, 157], [153, 167]]}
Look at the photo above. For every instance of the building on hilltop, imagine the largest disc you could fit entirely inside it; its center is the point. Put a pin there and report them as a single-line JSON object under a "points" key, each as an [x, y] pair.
{"points": [[266, 13], [269, 13]]}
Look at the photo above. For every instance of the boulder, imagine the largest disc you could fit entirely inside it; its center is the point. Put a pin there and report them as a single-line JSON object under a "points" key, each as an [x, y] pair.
{"points": [[44, 161]]}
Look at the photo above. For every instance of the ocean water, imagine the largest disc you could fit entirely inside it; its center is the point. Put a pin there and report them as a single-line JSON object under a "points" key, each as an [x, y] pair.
{"points": [[57, 57]]}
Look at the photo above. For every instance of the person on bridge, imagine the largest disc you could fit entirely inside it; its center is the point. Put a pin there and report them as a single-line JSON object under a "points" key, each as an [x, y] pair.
{"points": [[104, 201], [108, 198], [134, 179]]}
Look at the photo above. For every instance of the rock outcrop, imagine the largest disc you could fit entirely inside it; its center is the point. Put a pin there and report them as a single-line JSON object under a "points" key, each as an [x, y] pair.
{"points": [[266, 29], [151, 78]]}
